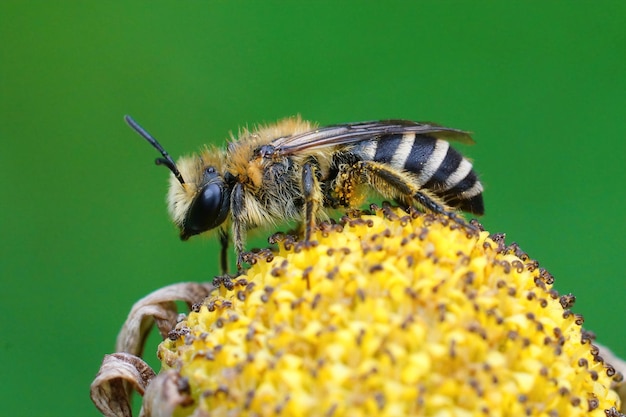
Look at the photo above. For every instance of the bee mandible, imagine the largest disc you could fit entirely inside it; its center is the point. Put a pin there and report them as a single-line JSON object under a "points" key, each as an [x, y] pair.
{"points": [[294, 170]]}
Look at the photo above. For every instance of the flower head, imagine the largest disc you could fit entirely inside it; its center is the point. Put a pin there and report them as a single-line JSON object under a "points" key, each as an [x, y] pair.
{"points": [[392, 313]]}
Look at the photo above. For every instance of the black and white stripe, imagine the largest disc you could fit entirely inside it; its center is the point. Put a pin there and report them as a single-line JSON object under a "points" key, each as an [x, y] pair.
{"points": [[453, 179], [440, 161], [438, 167], [387, 148]]}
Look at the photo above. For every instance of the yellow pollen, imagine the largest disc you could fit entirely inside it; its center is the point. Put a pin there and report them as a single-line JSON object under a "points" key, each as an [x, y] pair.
{"points": [[389, 314]]}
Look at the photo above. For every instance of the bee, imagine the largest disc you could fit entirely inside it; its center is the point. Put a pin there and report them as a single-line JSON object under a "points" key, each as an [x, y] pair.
{"points": [[294, 170]]}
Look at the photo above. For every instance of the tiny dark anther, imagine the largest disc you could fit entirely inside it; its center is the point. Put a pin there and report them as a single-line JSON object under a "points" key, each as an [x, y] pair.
{"points": [[612, 412], [595, 351], [183, 385], [176, 334], [532, 265], [546, 276], [475, 223], [518, 265], [248, 400], [469, 277], [276, 238], [498, 238], [610, 370], [579, 319], [316, 301], [593, 404], [224, 280], [306, 276], [567, 301], [360, 336], [380, 400], [332, 273]]}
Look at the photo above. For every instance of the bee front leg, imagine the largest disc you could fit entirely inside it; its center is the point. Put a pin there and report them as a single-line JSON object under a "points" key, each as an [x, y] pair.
{"points": [[224, 279], [312, 191], [223, 234], [237, 205]]}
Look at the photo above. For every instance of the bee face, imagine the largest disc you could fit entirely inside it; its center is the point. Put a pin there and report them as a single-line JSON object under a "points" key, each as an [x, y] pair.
{"points": [[210, 206], [198, 199], [294, 171], [202, 201]]}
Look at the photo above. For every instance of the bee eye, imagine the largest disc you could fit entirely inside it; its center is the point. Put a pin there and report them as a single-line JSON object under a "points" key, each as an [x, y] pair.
{"points": [[208, 210], [210, 174]]}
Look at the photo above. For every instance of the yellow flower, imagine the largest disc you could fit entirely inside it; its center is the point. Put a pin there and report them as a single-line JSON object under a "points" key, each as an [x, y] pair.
{"points": [[389, 314]]}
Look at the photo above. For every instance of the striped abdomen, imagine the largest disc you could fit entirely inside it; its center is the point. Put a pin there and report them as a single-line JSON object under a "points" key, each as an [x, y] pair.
{"points": [[438, 167]]}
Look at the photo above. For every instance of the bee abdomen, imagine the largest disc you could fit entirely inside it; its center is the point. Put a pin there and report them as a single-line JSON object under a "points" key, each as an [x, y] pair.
{"points": [[438, 167]]}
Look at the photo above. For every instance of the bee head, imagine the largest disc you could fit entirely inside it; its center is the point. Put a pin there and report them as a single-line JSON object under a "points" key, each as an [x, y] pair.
{"points": [[196, 206], [209, 205]]}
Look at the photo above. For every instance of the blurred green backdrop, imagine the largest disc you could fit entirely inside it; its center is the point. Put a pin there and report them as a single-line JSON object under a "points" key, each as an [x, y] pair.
{"points": [[84, 227]]}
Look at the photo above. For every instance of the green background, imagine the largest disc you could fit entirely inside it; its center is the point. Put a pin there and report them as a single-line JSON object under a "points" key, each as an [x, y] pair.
{"points": [[84, 229]]}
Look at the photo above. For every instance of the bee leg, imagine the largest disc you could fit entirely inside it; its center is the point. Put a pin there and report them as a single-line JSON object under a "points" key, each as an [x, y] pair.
{"points": [[223, 234], [225, 278], [434, 207], [239, 232], [384, 178], [312, 191]]}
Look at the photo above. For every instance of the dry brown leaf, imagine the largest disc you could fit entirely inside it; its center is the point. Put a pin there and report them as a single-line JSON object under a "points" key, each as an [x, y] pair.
{"points": [[119, 374], [157, 307], [125, 371], [166, 392]]}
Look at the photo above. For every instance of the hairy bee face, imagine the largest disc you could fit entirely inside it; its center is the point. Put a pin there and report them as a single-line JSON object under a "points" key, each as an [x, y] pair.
{"points": [[202, 201], [209, 207]]}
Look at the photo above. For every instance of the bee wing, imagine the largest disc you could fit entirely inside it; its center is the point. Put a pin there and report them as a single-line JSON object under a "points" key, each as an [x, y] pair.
{"points": [[356, 132]]}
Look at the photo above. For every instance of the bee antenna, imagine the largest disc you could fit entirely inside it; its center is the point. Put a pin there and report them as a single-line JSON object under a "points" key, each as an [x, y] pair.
{"points": [[167, 159]]}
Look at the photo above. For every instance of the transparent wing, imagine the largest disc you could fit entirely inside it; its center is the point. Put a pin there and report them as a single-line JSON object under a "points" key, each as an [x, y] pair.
{"points": [[356, 132]]}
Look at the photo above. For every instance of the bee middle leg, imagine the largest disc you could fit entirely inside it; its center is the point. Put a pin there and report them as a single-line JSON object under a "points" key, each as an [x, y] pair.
{"points": [[394, 183], [312, 191], [239, 227]]}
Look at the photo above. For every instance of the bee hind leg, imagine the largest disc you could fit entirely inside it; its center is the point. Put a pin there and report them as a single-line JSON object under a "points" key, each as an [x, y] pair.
{"points": [[432, 206], [390, 181]]}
